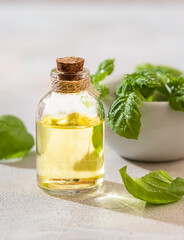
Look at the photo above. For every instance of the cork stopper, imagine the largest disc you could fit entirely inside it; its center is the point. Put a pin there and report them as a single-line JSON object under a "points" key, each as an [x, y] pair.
{"points": [[70, 64], [70, 77]]}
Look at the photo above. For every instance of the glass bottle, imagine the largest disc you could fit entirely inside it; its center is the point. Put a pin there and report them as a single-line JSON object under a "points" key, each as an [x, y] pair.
{"points": [[70, 132]]}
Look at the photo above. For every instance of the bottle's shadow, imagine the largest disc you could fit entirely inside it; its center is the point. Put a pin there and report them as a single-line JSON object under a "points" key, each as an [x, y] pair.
{"points": [[115, 198]]}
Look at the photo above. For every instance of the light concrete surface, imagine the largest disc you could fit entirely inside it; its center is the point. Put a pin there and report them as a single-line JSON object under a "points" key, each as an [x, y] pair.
{"points": [[28, 213], [32, 35]]}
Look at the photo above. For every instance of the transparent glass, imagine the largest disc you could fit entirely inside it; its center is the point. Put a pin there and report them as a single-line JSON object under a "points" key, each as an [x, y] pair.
{"points": [[70, 143]]}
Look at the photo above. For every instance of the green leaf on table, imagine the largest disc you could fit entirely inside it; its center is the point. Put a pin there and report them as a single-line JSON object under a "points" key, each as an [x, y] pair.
{"points": [[124, 116], [157, 187], [15, 141]]}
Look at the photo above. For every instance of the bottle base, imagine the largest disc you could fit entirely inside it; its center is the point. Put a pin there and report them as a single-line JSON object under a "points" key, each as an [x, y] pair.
{"points": [[70, 188]]}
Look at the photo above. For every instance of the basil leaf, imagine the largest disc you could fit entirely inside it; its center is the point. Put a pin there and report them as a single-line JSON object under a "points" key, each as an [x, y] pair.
{"points": [[146, 79], [98, 77], [168, 77], [173, 81], [158, 68], [157, 187], [105, 68], [136, 81], [103, 89], [176, 99], [147, 92], [176, 91], [15, 141], [125, 86], [124, 116]]}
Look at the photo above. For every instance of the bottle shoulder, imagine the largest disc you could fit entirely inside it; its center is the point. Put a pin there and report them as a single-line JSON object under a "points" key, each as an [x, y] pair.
{"points": [[57, 104]]}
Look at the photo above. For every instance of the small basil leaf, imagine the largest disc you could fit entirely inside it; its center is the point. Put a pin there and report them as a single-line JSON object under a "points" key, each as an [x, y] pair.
{"points": [[105, 68], [98, 77]]}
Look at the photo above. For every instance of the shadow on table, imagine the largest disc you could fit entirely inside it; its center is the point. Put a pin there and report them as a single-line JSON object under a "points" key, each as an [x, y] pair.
{"points": [[29, 161], [115, 198]]}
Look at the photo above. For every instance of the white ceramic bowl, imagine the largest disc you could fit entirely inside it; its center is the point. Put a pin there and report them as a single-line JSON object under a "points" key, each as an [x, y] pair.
{"points": [[161, 137]]}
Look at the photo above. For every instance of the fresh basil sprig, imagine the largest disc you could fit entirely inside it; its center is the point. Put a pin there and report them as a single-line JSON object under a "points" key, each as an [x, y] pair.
{"points": [[105, 68], [148, 83], [15, 141], [157, 187], [124, 114]]}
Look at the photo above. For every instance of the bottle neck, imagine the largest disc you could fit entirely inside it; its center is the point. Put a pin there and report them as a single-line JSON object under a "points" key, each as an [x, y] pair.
{"points": [[64, 82]]}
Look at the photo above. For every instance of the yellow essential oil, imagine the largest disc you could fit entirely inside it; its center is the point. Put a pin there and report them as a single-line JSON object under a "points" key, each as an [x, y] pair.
{"points": [[70, 153]]}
